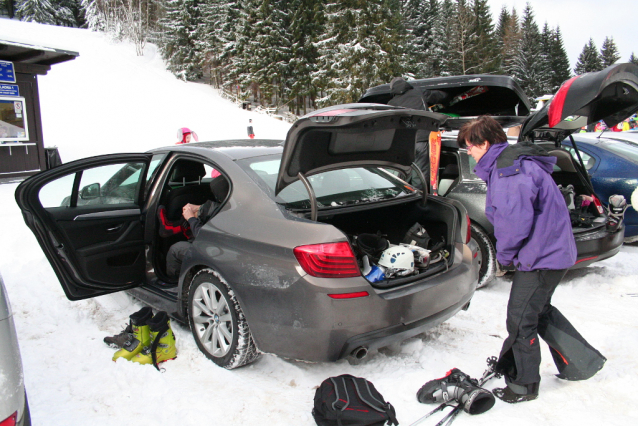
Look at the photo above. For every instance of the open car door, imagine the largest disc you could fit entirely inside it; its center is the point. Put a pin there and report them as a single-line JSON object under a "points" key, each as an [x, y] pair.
{"points": [[86, 216]]}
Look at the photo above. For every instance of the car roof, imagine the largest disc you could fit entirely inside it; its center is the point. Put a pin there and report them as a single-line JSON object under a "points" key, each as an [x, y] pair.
{"points": [[235, 149]]}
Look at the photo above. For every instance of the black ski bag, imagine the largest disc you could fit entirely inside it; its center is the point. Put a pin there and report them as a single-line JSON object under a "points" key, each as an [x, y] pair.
{"points": [[351, 401]]}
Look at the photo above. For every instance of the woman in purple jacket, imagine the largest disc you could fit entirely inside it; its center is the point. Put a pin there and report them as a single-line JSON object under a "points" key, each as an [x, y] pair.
{"points": [[534, 238]]}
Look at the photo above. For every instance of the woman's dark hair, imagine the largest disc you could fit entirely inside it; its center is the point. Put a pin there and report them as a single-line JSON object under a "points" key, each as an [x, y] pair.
{"points": [[476, 132]]}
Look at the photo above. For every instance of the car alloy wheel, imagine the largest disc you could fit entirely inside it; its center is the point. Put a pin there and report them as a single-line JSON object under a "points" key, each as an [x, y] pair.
{"points": [[486, 256], [218, 323]]}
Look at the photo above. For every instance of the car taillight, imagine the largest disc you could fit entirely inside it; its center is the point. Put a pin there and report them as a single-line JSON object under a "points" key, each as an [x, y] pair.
{"points": [[598, 204], [469, 230], [349, 295], [332, 260], [11, 420]]}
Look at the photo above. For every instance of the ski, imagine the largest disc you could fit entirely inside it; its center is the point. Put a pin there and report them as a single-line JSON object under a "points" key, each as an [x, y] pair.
{"points": [[489, 373]]}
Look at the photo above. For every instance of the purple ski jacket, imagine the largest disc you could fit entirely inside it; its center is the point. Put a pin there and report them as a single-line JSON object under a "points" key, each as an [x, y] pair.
{"points": [[530, 217]]}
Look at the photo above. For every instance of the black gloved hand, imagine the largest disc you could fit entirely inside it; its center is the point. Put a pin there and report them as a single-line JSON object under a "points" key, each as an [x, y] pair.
{"points": [[507, 268]]}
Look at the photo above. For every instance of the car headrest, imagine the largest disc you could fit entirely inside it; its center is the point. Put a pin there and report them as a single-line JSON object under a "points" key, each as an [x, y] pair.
{"points": [[219, 187], [187, 171], [451, 171]]}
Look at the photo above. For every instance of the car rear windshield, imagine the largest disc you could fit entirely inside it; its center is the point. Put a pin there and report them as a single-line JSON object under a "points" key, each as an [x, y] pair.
{"points": [[624, 149], [332, 189]]}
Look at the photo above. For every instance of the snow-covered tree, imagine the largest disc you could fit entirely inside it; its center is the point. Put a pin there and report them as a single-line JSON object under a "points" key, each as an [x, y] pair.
{"points": [[589, 60], [633, 59], [609, 52], [41, 11], [529, 61], [362, 47], [417, 26], [179, 45], [510, 32]]}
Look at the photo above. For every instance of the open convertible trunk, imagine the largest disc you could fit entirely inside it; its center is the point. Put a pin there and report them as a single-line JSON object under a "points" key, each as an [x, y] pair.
{"points": [[393, 224]]}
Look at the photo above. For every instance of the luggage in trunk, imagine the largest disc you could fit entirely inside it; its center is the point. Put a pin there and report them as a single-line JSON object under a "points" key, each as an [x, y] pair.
{"points": [[393, 223]]}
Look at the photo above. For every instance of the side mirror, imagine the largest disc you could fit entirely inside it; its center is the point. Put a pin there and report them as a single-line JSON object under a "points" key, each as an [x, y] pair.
{"points": [[90, 192]]}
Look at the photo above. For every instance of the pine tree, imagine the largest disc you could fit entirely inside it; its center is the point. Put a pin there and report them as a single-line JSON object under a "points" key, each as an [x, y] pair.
{"points": [[589, 60], [436, 45], [486, 57], [465, 39], [511, 41], [450, 62], [362, 47], [559, 62], [609, 52], [179, 46], [547, 43], [40, 11], [528, 62], [306, 28], [633, 59], [417, 32]]}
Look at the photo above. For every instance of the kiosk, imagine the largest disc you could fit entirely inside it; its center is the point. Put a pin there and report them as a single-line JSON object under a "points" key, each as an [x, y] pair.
{"points": [[22, 151]]}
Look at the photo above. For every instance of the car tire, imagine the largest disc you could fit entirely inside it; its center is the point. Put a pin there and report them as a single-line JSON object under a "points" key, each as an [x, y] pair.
{"points": [[486, 256], [217, 322]]}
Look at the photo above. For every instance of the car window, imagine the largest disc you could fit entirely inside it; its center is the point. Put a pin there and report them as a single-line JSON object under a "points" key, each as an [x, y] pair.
{"points": [[109, 184], [588, 160], [626, 150], [57, 193], [152, 171], [333, 188]]}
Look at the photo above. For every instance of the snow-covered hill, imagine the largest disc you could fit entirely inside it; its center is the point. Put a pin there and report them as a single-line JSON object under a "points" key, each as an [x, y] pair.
{"points": [[109, 100]]}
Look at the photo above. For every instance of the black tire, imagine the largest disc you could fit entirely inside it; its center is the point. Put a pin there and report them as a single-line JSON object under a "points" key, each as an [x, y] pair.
{"points": [[486, 256], [217, 322]]}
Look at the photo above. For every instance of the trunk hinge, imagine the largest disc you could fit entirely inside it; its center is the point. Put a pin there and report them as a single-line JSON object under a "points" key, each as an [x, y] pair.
{"points": [[419, 172], [586, 179], [311, 195]]}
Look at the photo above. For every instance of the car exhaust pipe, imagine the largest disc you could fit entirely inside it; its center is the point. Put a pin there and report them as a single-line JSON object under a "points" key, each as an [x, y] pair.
{"points": [[357, 355]]}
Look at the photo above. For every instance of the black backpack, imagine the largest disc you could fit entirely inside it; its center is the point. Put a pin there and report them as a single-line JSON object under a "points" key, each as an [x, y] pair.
{"points": [[351, 401]]}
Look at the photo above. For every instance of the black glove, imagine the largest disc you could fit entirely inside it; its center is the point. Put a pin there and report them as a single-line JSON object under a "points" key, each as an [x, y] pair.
{"points": [[507, 268]]}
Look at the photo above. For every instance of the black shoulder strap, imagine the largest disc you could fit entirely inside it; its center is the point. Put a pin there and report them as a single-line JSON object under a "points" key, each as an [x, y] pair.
{"points": [[342, 400], [363, 390]]}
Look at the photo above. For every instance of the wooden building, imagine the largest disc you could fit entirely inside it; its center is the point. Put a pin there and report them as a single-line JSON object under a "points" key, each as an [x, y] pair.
{"points": [[22, 151]]}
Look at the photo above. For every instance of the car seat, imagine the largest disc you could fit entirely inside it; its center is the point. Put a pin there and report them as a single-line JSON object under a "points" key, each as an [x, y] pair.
{"points": [[448, 178], [189, 175]]}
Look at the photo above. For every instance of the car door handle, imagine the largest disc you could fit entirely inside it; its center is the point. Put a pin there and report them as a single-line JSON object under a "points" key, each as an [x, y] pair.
{"points": [[116, 228]]}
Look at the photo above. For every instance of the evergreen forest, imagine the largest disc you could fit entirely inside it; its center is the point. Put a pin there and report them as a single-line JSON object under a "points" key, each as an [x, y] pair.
{"points": [[306, 54]]}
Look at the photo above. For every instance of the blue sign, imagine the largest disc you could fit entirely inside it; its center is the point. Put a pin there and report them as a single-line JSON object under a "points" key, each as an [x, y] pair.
{"points": [[7, 73], [9, 90]]}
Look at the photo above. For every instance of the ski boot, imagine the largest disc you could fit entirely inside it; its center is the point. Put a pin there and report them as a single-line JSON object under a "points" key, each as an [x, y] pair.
{"points": [[514, 393], [162, 342], [118, 340], [457, 386], [139, 337]]}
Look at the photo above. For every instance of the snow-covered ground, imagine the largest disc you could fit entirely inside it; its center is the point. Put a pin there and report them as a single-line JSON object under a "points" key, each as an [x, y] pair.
{"points": [[108, 100]]}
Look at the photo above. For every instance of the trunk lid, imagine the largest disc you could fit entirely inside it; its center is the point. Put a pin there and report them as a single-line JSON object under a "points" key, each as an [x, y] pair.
{"points": [[466, 97], [610, 95], [353, 135]]}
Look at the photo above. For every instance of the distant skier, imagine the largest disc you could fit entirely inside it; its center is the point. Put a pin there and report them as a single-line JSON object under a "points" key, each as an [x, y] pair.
{"points": [[184, 135], [251, 132]]}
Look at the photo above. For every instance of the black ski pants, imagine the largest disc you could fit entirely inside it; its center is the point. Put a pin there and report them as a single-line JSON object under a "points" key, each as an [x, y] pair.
{"points": [[174, 258], [530, 314]]}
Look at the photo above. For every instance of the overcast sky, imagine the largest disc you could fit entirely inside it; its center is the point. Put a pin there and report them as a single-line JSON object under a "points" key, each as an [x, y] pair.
{"points": [[580, 20]]}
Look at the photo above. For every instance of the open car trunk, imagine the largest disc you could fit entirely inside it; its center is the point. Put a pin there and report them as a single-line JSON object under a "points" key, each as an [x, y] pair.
{"points": [[393, 223]]}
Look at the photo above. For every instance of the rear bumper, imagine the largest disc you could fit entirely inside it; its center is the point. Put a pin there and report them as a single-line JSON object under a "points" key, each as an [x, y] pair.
{"points": [[597, 246], [306, 324]]}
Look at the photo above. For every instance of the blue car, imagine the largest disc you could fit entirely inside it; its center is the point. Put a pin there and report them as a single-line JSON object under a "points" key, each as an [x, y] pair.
{"points": [[612, 165]]}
